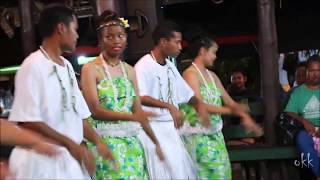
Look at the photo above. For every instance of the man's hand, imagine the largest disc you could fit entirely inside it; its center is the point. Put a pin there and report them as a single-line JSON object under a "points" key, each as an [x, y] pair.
{"points": [[176, 115], [45, 148], [75, 151], [4, 170], [83, 156], [88, 161], [310, 128], [159, 152]]}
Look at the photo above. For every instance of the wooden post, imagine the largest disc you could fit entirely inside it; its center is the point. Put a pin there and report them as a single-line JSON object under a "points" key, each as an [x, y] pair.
{"points": [[102, 5], [269, 67], [27, 28]]}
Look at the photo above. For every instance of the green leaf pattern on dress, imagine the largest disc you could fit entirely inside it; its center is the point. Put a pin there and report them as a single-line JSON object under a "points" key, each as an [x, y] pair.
{"points": [[208, 151], [190, 114], [128, 151]]}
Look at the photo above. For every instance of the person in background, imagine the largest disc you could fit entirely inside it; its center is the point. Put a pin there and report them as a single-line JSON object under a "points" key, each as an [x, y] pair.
{"points": [[48, 101], [304, 107], [238, 88], [239, 91], [300, 75], [300, 78], [109, 86]]}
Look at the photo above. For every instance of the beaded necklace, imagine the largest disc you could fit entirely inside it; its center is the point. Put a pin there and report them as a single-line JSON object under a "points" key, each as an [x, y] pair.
{"points": [[169, 97], [114, 88], [209, 92], [64, 99]]}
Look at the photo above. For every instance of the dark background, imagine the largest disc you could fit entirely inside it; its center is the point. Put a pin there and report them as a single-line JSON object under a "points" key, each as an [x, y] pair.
{"points": [[298, 26]]}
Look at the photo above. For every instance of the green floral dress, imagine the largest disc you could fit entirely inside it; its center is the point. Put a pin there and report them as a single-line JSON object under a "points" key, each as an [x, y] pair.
{"points": [[206, 146], [120, 136]]}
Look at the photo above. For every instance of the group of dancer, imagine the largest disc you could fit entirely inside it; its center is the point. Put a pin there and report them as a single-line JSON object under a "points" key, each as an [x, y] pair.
{"points": [[146, 122]]}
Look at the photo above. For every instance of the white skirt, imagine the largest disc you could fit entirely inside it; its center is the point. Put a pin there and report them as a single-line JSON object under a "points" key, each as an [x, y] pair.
{"points": [[28, 164], [177, 164]]}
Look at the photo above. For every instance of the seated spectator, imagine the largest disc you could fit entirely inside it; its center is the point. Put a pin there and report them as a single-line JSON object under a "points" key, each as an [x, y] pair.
{"points": [[238, 88], [304, 106], [239, 91], [299, 78], [242, 95], [300, 75]]}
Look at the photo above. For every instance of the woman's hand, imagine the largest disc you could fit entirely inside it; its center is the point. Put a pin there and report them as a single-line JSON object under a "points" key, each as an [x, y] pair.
{"points": [[203, 115], [106, 153], [142, 116], [251, 126]]}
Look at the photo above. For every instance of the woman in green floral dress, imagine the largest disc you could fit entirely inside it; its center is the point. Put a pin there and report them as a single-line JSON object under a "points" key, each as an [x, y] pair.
{"points": [[204, 140], [109, 87]]}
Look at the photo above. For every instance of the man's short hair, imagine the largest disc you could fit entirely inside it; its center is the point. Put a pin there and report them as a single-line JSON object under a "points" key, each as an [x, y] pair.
{"points": [[312, 59], [239, 70], [164, 30], [51, 16]]}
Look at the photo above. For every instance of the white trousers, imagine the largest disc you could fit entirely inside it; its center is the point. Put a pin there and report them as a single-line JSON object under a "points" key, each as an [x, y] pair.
{"points": [[177, 164], [28, 164]]}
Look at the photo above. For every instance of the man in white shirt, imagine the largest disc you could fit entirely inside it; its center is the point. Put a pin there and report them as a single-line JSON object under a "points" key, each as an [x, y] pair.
{"points": [[48, 101], [162, 89]]}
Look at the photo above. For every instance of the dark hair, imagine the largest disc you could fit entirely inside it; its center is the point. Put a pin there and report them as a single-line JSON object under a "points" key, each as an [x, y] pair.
{"points": [[106, 17], [240, 70], [164, 30], [51, 16], [312, 59], [301, 64], [197, 38], [196, 44]]}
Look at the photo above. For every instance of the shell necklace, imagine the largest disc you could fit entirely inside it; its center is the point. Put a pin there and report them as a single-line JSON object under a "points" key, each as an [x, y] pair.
{"points": [[169, 93], [208, 91], [64, 99], [114, 88]]}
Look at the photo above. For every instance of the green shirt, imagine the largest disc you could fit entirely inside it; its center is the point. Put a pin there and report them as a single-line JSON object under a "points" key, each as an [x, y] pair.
{"points": [[306, 103]]}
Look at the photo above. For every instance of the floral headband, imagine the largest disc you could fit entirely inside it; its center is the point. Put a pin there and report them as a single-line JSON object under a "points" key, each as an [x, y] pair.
{"points": [[123, 22]]}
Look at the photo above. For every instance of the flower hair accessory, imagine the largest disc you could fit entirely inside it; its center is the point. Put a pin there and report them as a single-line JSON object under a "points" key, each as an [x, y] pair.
{"points": [[123, 22]]}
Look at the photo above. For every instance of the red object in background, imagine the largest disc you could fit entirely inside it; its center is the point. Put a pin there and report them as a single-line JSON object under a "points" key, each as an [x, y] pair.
{"points": [[229, 40], [184, 44], [236, 39]]}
